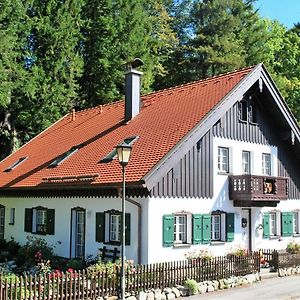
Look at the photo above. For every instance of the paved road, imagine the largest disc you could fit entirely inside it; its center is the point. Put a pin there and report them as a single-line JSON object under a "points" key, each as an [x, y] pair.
{"points": [[283, 288]]}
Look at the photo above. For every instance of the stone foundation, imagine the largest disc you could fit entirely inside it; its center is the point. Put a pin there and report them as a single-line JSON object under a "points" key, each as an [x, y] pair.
{"points": [[288, 271]]}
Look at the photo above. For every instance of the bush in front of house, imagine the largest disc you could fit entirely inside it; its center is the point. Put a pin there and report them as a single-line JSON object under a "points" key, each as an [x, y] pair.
{"points": [[237, 251], [192, 286], [33, 252], [293, 247], [203, 254]]}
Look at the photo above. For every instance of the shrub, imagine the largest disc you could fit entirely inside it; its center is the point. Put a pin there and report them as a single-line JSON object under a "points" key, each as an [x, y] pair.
{"points": [[35, 251], [13, 247], [76, 264], [203, 254], [237, 251], [192, 285], [293, 247]]}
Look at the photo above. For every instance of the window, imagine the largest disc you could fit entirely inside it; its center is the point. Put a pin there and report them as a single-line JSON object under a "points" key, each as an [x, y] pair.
{"points": [[243, 111], [296, 229], [273, 224], [187, 228], [113, 154], [115, 228], [223, 159], [246, 162], [252, 113], [247, 112], [39, 220], [266, 164], [15, 164], [12, 216], [63, 157], [216, 227], [180, 229], [109, 227]]}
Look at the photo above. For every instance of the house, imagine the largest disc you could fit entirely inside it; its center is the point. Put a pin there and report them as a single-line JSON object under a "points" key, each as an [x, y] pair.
{"points": [[215, 163]]}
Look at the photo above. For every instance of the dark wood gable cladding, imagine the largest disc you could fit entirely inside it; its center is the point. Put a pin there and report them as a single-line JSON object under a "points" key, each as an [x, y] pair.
{"points": [[193, 175]]}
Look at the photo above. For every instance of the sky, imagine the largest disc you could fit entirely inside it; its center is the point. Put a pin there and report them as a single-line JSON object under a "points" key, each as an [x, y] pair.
{"points": [[286, 12]]}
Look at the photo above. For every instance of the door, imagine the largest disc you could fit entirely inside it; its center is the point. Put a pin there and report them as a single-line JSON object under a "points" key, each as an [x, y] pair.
{"points": [[78, 233], [2, 218], [246, 228]]}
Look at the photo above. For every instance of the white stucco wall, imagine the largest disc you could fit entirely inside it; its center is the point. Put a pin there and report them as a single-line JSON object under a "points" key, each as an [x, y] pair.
{"points": [[61, 239], [158, 207]]}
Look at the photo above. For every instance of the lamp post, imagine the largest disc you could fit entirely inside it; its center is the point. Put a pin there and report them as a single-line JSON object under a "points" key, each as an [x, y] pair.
{"points": [[123, 153]]}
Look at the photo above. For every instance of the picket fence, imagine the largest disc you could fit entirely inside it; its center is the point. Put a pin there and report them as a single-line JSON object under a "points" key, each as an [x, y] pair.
{"points": [[86, 286]]}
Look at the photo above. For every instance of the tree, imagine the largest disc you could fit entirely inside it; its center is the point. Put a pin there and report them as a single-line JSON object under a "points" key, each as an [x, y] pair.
{"points": [[117, 32], [13, 34]]}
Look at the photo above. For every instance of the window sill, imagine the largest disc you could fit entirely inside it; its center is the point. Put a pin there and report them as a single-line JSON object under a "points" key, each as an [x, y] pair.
{"points": [[217, 243], [275, 237], [296, 235], [181, 245], [224, 173]]}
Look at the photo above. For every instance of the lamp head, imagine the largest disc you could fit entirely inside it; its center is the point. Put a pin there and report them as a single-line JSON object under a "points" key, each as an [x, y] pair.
{"points": [[123, 153]]}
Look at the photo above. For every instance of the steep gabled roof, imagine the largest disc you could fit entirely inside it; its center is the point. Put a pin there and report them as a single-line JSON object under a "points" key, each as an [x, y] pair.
{"points": [[165, 119]]}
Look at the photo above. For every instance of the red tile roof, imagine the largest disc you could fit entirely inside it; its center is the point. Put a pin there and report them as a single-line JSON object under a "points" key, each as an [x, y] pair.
{"points": [[165, 118]]}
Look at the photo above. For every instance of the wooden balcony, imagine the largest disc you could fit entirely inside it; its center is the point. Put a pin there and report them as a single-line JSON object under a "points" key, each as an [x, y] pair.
{"points": [[254, 190]]}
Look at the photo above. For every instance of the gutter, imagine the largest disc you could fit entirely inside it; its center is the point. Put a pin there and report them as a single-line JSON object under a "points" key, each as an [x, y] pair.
{"points": [[139, 227]]}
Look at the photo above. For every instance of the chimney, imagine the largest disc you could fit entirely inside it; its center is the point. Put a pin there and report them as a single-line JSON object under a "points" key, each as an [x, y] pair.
{"points": [[132, 88]]}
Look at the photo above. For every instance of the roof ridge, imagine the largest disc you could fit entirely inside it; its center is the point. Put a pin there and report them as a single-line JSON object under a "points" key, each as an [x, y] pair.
{"points": [[85, 110], [198, 81]]}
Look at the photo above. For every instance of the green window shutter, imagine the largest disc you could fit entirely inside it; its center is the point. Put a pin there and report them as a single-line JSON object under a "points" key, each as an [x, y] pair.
{"points": [[266, 225], [28, 220], [100, 227], [197, 229], [168, 230], [284, 224], [290, 223], [229, 227], [127, 229], [206, 229], [50, 221]]}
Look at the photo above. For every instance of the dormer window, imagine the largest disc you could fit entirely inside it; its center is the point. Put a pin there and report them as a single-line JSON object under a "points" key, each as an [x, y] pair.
{"points": [[15, 164], [113, 154], [63, 157]]}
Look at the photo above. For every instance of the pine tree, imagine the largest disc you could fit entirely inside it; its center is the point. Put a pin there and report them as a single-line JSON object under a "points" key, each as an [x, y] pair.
{"points": [[13, 49]]}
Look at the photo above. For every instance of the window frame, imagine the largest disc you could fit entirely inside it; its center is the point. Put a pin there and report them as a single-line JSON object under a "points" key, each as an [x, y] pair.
{"points": [[246, 163], [223, 160], [275, 229], [243, 111], [12, 213], [178, 232], [118, 226], [41, 220], [266, 169], [296, 222], [216, 229]]}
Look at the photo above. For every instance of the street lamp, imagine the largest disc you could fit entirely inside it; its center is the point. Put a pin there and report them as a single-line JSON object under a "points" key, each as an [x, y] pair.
{"points": [[123, 152]]}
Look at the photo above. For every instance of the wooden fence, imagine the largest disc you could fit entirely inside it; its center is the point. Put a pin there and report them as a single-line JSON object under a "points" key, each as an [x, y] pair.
{"points": [[85, 286], [286, 260]]}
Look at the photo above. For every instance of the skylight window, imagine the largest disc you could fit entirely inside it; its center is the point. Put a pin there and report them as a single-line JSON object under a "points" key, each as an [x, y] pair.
{"points": [[15, 164], [113, 154], [63, 157]]}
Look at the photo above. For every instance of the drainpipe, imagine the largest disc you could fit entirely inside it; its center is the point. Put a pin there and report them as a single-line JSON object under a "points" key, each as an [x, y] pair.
{"points": [[139, 227]]}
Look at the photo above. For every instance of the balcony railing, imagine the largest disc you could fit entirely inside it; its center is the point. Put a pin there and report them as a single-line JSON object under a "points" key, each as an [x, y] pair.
{"points": [[258, 188]]}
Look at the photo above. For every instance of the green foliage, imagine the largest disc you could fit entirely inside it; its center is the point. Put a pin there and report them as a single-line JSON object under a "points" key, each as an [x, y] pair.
{"points": [[34, 251], [203, 254], [76, 264], [192, 285], [293, 247]]}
